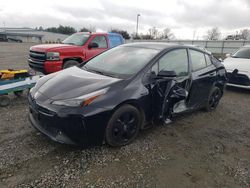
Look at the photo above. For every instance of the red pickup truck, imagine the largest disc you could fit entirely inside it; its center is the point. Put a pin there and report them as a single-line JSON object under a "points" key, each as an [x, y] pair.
{"points": [[75, 49]]}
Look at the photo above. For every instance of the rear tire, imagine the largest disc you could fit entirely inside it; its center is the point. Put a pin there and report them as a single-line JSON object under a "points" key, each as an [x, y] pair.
{"points": [[213, 99], [123, 126], [70, 63]]}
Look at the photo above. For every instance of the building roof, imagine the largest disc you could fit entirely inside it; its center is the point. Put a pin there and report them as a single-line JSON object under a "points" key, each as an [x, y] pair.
{"points": [[27, 32]]}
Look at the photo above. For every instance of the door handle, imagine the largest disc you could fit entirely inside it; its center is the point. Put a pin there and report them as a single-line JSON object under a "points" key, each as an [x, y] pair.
{"points": [[212, 73]]}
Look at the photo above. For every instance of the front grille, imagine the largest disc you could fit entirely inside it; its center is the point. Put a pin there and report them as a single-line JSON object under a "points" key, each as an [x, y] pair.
{"points": [[37, 56], [39, 108], [238, 79], [36, 60]]}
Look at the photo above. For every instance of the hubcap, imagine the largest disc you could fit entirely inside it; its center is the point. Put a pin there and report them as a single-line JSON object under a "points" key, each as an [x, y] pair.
{"points": [[125, 127], [214, 99]]}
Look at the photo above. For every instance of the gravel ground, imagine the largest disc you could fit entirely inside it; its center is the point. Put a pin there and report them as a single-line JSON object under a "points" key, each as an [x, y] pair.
{"points": [[196, 150]]}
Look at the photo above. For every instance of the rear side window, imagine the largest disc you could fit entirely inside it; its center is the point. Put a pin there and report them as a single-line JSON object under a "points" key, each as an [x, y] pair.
{"points": [[101, 41], [115, 40], [198, 60]]}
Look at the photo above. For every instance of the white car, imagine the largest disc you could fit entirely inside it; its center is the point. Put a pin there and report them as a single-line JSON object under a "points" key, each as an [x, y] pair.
{"points": [[239, 60]]}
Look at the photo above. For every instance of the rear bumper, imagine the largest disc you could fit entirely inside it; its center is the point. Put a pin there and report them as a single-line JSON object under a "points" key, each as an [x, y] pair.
{"points": [[45, 67]]}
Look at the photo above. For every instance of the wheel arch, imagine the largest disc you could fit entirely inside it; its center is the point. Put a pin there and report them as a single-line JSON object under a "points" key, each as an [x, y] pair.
{"points": [[220, 85], [134, 103], [78, 59]]}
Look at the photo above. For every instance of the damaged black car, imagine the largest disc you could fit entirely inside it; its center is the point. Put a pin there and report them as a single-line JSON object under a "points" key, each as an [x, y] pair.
{"points": [[110, 98]]}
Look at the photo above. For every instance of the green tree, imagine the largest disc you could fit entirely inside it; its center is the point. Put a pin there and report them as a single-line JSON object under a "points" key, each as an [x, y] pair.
{"points": [[84, 29], [121, 32], [68, 30]]}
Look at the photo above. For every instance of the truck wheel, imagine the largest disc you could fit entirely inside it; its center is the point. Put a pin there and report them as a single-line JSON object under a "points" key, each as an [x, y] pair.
{"points": [[123, 126], [70, 63], [4, 101], [213, 99]]}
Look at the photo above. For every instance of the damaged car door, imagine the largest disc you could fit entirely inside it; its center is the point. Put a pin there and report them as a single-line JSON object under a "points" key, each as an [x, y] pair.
{"points": [[169, 83]]}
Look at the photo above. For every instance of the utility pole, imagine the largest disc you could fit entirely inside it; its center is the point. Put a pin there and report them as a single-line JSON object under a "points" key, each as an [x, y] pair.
{"points": [[4, 26], [137, 22]]}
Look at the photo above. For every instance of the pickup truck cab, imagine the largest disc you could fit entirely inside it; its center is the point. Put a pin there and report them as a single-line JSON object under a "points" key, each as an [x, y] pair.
{"points": [[77, 48]]}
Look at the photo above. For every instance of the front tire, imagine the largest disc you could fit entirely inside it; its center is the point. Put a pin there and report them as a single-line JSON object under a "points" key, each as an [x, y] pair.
{"points": [[213, 99], [123, 126], [70, 63]]}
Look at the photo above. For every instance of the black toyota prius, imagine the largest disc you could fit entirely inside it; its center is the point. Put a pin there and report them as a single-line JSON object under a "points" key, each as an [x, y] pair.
{"points": [[110, 98]]}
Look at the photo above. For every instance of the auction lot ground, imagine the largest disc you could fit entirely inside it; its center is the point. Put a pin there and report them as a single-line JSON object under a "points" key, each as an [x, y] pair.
{"points": [[197, 150]]}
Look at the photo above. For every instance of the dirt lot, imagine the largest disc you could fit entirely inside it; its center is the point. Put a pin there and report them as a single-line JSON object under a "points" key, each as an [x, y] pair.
{"points": [[197, 150]]}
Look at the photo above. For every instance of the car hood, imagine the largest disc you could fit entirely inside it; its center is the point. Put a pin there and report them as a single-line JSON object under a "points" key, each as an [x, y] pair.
{"points": [[73, 82], [52, 47], [243, 65]]}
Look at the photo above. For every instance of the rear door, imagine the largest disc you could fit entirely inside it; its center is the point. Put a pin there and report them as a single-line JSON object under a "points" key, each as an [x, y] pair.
{"points": [[101, 40], [203, 77]]}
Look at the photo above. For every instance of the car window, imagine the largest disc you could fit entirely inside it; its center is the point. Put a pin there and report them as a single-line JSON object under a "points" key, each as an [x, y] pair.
{"points": [[101, 41], [121, 61], [115, 41], [175, 60], [208, 59], [78, 39], [198, 60], [242, 53]]}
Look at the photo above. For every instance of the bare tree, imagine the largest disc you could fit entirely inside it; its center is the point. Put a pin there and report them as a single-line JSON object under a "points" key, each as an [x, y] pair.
{"points": [[92, 28], [213, 34], [245, 34], [153, 32], [167, 34]]}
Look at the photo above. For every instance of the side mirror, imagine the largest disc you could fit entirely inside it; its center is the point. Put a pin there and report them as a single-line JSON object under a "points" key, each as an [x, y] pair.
{"points": [[166, 74], [93, 45], [228, 55]]}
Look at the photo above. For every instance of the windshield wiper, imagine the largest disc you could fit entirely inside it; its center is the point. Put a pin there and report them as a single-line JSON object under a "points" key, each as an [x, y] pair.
{"points": [[99, 72], [95, 71], [70, 43]]}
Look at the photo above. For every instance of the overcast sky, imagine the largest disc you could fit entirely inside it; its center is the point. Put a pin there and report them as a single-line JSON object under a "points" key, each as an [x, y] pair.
{"points": [[184, 17]]}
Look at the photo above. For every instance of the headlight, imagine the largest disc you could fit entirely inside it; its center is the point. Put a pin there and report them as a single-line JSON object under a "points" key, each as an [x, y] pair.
{"points": [[82, 101], [53, 56]]}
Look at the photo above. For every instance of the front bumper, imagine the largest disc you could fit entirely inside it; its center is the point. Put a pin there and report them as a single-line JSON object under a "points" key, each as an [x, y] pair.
{"points": [[70, 127], [68, 130], [45, 67]]}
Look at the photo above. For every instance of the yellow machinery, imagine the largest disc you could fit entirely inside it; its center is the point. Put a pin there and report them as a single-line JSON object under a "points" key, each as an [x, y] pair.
{"points": [[14, 81], [13, 74]]}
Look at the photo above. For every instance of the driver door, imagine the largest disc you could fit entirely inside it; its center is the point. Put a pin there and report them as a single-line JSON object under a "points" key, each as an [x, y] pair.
{"points": [[102, 46]]}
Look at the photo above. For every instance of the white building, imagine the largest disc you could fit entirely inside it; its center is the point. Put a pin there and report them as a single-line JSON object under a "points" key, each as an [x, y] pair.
{"points": [[29, 35]]}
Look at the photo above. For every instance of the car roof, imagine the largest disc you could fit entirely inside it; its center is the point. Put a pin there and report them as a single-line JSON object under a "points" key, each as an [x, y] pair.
{"points": [[156, 45]]}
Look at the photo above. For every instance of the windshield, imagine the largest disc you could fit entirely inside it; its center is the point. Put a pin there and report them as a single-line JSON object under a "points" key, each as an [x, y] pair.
{"points": [[122, 61], [78, 39], [242, 53]]}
